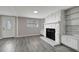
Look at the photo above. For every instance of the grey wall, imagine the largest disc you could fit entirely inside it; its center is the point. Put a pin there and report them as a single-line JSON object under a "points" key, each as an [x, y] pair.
{"points": [[0, 28], [62, 23], [42, 26], [25, 30], [6, 30], [20, 26], [72, 21]]}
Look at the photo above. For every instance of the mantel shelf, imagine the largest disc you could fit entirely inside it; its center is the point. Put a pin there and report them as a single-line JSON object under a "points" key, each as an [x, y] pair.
{"points": [[53, 23]]}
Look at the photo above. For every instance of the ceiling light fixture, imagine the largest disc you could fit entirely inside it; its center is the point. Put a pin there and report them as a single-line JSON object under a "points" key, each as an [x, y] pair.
{"points": [[35, 12]]}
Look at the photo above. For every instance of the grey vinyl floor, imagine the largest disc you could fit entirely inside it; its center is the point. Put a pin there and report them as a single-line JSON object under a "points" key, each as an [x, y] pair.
{"points": [[29, 44]]}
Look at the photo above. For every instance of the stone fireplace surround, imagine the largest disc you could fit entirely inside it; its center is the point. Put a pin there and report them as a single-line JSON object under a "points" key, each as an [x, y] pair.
{"points": [[55, 20], [57, 32]]}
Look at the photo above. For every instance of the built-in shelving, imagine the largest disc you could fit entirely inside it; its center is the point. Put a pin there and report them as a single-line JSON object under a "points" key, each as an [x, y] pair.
{"points": [[72, 21]]}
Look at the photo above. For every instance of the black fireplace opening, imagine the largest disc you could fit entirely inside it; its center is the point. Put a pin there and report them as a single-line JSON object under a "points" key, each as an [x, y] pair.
{"points": [[50, 33]]}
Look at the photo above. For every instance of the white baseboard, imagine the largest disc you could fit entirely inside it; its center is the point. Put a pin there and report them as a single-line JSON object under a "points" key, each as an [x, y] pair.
{"points": [[28, 35]]}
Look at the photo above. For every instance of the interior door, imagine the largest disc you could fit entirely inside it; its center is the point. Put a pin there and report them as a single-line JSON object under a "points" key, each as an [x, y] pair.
{"points": [[8, 26]]}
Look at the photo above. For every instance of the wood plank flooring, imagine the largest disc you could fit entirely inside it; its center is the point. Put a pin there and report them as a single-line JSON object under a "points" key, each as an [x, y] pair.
{"points": [[26, 44]]}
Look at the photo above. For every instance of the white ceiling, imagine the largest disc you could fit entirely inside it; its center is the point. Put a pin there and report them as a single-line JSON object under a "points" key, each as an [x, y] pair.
{"points": [[27, 11], [43, 10]]}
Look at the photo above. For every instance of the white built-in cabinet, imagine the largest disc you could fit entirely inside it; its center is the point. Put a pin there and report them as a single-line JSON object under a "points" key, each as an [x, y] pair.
{"points": [[71, 41], [71, 36]]}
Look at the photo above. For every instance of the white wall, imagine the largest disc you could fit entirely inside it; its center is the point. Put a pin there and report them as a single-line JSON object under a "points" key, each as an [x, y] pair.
{"points": [[8, 10]]}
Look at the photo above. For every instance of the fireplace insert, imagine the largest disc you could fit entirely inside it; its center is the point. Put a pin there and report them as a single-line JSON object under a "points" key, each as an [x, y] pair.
{"points": [[50, 33]]}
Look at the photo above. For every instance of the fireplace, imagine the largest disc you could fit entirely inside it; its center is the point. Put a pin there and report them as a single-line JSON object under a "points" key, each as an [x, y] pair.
{"points": [[50, 33]]}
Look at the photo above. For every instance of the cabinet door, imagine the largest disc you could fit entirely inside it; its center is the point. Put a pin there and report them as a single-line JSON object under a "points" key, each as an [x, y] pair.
{"points": [[70, 41], [8, 26]]}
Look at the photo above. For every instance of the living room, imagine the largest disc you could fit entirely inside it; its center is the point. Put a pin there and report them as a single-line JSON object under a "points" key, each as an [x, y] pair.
{"points": [[39, 28]]}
